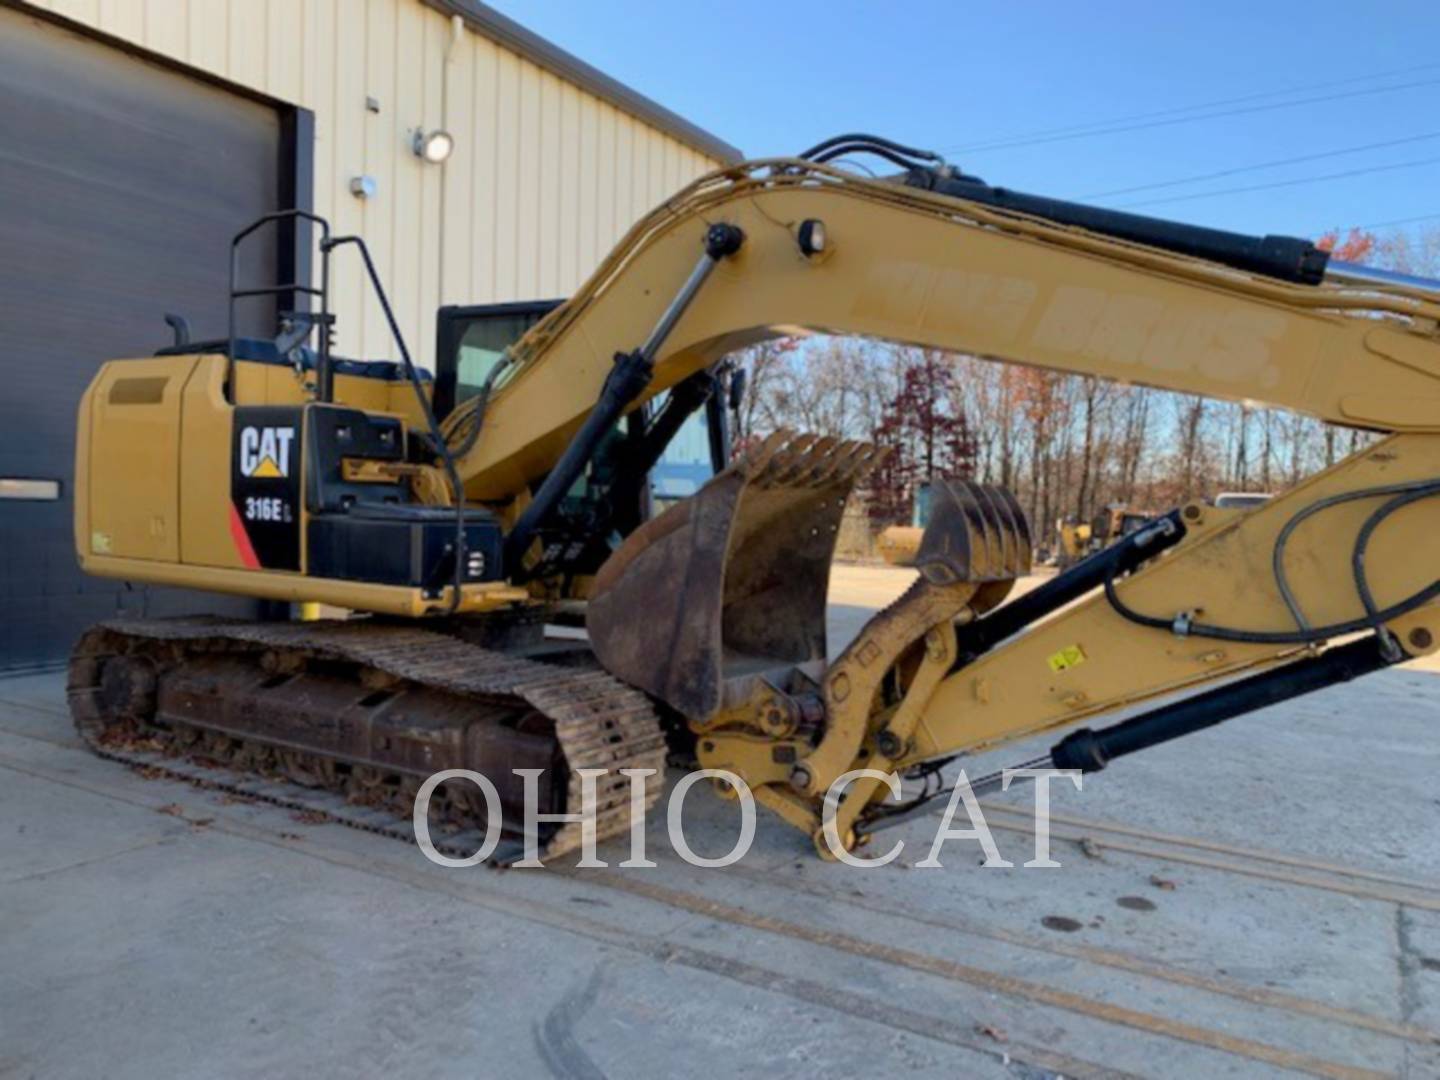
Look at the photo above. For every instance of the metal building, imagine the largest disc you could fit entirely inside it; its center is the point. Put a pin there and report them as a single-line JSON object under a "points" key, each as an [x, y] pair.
{"points": [[138, 135]]}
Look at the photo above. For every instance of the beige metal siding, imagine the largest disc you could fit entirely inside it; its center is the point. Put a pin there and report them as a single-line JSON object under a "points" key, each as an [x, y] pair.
{"points": [[544, 179]]}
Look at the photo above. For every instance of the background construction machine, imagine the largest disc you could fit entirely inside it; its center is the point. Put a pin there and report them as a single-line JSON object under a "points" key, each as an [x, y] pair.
{"points": [[1072, 542], [463, 513]]}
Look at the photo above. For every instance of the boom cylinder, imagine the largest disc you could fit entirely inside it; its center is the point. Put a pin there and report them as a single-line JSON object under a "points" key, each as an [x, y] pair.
{"points": [[1285, 257], [625, 382], [1348, 273]]}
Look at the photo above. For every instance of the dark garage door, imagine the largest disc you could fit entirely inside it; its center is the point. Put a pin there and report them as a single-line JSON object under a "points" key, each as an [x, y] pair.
{"points": [[121, 182]]}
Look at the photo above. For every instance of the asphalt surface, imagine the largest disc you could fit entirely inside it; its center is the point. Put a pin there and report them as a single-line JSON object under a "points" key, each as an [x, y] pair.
{"points": [[1262, 899]]}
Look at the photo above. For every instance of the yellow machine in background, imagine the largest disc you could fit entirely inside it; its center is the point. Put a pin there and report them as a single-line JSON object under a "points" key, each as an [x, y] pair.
{"points": [[1116, 521], [463, 512], [1075, 540], [899, 544], [1072, 542]]}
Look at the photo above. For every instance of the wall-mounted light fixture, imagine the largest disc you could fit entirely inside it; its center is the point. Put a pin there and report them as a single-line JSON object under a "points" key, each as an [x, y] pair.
{"points": [[363, 187], [433, 146]]}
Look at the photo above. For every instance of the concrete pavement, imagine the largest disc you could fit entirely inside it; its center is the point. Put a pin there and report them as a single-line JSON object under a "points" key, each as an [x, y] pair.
{"points": [[1261, 899]]}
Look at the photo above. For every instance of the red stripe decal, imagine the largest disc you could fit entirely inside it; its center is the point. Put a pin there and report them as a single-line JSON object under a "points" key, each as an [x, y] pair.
{"points": [[242, 540]]}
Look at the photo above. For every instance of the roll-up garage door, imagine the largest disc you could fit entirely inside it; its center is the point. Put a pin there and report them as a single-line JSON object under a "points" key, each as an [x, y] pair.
{"points": [[121, 183]]}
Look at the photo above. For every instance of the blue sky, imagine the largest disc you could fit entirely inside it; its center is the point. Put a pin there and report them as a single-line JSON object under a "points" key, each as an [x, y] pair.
{"points": [[775, 76]]}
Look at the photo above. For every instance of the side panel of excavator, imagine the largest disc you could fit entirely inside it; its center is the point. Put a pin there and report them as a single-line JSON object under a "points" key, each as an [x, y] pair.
{"points": [[176, 485]]}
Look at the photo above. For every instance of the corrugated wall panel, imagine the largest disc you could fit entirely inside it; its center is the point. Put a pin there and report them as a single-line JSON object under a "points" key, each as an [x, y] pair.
{"points": [[347, 213], [530, 139], [477, 252], [623, 195], [207, 36], [606, 176], [544, 179], [317, 89], [550, 170], [287, 51], [123, 18], [411, 186], [504, 171], [249, 42], [167, 27], [588, 176], [86, 11], [382, 131], [429, 239], [567, 171]]}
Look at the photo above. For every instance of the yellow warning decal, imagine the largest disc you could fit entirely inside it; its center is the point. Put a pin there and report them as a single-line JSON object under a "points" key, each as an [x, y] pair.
{"points": [[1066, 658]]}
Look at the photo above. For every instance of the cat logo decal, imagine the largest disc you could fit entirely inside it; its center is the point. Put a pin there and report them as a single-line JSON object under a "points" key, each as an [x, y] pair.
{"points": [[265, 452]]}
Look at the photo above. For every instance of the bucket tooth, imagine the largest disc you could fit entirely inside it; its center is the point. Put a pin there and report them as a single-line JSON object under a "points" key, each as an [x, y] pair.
{"points": [[822, 466], [798, 461], [756, 461], [729, 586]]}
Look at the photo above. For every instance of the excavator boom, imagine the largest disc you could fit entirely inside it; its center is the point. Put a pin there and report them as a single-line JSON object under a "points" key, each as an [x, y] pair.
{"points": [[906, 264]]}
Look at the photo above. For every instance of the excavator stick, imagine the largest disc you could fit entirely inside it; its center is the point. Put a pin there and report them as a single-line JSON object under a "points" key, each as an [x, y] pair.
{"points": [[729, 586], [717, 609], [976, 545]]}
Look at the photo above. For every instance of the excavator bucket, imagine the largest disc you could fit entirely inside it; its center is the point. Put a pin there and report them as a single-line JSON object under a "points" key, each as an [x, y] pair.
{"points": [[976, 533], [729, 586]]}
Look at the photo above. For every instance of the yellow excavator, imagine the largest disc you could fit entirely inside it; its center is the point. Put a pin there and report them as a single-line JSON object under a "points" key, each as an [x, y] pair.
{"points": [[1072, 541], [1075, 539], [457, 515]]}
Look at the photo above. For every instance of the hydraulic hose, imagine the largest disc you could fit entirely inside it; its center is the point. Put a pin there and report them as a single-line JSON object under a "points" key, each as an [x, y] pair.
{"points": [[1374, 618]]}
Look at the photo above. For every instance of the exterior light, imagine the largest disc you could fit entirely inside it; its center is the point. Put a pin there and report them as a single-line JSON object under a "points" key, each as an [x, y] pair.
{"points": [[363, 187], [811, 237], [433, 146]]}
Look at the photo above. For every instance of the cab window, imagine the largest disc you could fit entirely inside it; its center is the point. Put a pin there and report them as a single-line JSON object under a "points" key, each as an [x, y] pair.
{"points": [[470, 341]]}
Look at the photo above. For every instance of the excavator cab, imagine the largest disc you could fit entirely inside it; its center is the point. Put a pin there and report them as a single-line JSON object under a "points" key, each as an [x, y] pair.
{"points": [[472, 339]]}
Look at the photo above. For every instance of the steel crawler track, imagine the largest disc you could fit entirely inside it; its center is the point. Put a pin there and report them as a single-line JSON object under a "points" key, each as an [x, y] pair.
{"points": [[130, 702]]}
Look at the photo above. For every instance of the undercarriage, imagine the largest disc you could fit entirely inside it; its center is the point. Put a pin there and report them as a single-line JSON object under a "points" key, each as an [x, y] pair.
{"points": [[349, 718]]}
